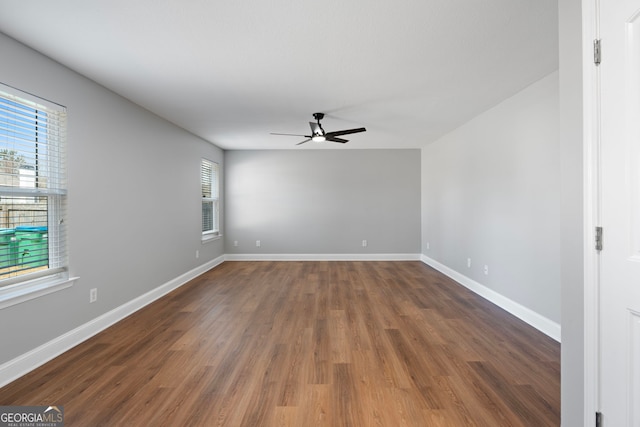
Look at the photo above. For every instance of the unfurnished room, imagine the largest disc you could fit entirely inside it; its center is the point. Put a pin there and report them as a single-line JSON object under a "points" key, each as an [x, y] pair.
{"points": [[340, 213]]}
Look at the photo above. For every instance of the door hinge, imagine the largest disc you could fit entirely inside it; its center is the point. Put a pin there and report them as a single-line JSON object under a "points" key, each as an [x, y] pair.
{"points": [[598, 419], [599, 232], [597, 52]]}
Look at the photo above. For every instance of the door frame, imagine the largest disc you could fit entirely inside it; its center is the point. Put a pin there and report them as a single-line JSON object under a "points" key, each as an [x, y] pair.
{"points": [[591, 208]]}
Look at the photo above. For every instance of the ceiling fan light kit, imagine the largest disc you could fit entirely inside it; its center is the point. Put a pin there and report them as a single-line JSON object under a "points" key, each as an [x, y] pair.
{"points": [[318, 134]]}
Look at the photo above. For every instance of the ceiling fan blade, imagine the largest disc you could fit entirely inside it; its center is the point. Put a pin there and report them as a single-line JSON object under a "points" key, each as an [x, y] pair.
{"points": [[291, 134], [306, 140], [344, 132], [335, 139]]}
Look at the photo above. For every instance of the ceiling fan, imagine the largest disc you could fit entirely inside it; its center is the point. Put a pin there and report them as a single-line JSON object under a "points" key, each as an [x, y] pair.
{"points": [[318, 134]]}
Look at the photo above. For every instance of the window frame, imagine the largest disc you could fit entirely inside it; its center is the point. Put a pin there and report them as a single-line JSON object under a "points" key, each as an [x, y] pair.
{"points": [[29, 285], [213, 179]]}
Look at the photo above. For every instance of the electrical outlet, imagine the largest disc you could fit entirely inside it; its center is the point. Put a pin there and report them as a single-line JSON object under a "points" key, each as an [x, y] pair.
{"points": [[428, 245], [364, 243], [257, 243], [468, 262], [235, 243], [93, 295], [486, 270], [197, 254]]}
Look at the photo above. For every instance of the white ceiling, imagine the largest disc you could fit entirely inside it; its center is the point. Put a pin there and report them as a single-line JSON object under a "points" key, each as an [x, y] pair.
{"points": [[232, 71]]}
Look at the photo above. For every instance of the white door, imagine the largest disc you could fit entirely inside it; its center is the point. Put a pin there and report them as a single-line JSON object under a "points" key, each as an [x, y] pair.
{"points": [[620, 213]]}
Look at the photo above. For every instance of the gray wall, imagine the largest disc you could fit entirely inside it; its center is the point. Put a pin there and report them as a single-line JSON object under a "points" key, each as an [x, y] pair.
{"points": [[491, 192], [134, 201], [571, 137], [323, 201]]}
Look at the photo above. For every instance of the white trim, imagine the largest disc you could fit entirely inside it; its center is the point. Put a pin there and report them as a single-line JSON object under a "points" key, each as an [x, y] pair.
{"points": [[591, 208], [210, 236], [25, 291], [322, 257], [541, 323], [29, 361], [33, 99]]}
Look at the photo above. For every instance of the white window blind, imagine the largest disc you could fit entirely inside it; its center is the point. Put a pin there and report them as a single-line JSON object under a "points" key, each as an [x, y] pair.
{"points": [[32, 187], [210, 197]]}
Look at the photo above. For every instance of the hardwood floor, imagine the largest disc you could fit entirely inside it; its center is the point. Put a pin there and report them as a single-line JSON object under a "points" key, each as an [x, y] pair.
{"points": [[307, 344]]}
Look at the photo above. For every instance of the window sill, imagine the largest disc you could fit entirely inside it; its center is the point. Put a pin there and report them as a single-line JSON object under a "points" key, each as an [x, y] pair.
{"points": [[21, 292], [206, 238]]}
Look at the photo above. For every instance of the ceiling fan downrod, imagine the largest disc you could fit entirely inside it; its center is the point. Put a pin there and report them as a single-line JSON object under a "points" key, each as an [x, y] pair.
{"points": [[318, 117]]}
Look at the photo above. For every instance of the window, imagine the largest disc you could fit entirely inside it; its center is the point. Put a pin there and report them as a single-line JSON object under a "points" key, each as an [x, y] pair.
{"points": [[210, 199], [32, 188]]}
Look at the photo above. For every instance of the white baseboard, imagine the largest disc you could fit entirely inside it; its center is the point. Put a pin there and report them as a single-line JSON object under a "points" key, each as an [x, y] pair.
{"points": [[541, 323], [322, 257], [29, 361]]}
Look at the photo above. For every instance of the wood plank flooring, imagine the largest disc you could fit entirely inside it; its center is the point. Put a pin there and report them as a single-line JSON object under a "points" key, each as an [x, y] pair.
{"points": [[307, 344]]}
